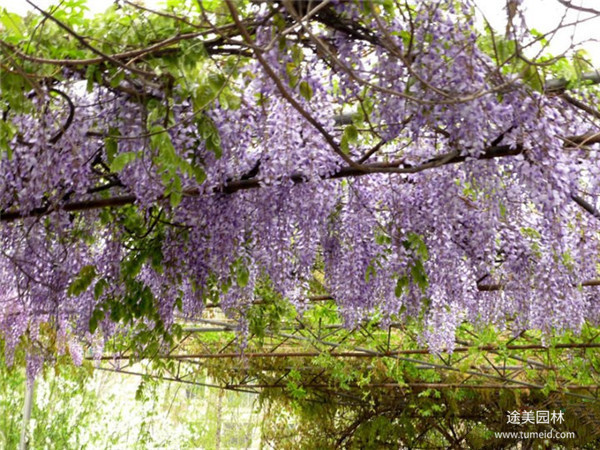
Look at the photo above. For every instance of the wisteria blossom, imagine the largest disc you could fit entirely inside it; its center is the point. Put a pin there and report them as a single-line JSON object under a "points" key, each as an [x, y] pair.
{"points": [[387, 155]]}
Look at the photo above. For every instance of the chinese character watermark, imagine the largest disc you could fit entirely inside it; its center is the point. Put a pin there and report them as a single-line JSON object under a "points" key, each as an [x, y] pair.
{"points": [[535, 417], [557, 417], [514, 417], [542, 417]]}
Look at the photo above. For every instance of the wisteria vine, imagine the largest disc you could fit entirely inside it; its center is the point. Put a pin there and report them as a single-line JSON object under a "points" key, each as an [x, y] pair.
{"points": [[386, 154]]}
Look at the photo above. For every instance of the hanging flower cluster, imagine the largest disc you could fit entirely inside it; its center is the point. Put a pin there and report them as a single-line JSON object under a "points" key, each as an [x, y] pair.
{"points": [[382, 153]]}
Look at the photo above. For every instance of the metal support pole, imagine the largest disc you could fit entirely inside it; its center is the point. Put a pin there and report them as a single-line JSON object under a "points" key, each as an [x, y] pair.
{"points": [[27, 407]]}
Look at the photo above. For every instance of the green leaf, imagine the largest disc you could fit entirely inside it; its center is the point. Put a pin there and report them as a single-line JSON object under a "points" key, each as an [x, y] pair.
{"points": [[203, 96], [97, 316], [344, 144], [199, 174], [116, 312], [415, 242], [111, 144], [242, 275], [352, 133], [216, 82], [502, 210], [140, 393], [116, 79], [532, 78], [297, 55], [350, 136], [92, 75], [175, 195], [99, 288], [290, 69], [7, 131], [505, 49], [540, 37], [83, 281], [383, 239], [213, 144], [146, 302], [12, 22], [132, 265], [121, 160], [370, 272], [419, 275], [401, 286], [305, 90]]}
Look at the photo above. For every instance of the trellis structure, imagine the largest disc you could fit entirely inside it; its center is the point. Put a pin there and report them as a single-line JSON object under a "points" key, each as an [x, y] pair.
{"points": [[385, 373]]}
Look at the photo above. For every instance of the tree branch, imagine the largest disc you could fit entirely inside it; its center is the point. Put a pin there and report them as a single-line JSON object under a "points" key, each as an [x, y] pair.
{"points": [[291, 100], [569, 4], [579, 104], [253, 183]]}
